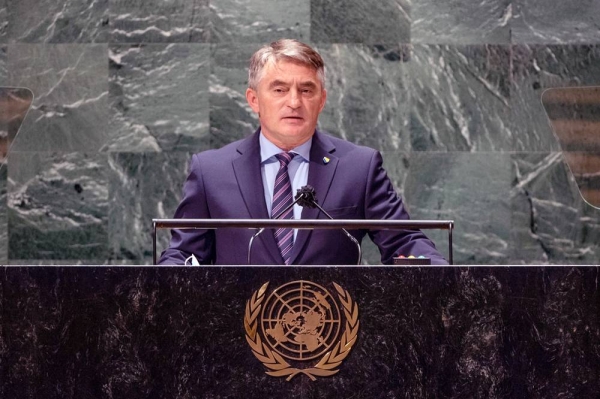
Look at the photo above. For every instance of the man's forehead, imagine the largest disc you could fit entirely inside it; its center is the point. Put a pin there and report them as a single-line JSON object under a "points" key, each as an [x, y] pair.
{"points": [[286, 70]]}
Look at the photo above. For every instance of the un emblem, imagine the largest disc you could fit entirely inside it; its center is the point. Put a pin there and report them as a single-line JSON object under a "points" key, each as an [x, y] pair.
{"points": [[300, 322]]}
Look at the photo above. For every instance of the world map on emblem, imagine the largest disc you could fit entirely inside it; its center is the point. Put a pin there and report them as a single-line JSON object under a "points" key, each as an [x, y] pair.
{"points": [[301, 320]]}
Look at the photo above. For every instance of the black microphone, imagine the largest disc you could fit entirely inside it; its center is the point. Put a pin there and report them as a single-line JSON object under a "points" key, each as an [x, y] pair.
{"points": [[307, 198], [304, 196]]}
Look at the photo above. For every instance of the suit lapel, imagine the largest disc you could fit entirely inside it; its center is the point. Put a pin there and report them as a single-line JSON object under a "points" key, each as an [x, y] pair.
{"points": [[320, 176], [249, 177]]}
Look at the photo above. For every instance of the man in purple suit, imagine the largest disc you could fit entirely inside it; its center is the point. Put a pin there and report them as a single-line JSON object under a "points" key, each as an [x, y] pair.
{"points": [[254, 178]]}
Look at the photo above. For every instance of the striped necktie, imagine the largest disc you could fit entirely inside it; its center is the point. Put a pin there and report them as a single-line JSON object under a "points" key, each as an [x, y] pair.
{"points": [[282, 198]]}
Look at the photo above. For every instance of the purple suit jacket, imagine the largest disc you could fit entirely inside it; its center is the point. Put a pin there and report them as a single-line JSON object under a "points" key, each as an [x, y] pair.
{"points": [[227, 184]]}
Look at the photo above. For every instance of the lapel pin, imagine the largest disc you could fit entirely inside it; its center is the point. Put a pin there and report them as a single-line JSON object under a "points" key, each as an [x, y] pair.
{"points": [[326, 160]]}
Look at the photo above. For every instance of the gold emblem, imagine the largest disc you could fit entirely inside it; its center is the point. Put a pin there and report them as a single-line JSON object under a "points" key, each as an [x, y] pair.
{"points": [[300, 322]]}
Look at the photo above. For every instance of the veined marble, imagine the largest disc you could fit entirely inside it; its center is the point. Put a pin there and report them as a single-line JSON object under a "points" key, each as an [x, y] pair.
{"points": [[66, 21], [536, 68], [158, 21], [158, 97], [556, 22], [259, 21], [157, 177], [3, 66], [4, 116], [461, 21], [357, 21], [368, 98], [3, 20], [70, 88], [461, 98], [57, 206], [231, 118], [397, 166], [473, 190], [551, 222]]}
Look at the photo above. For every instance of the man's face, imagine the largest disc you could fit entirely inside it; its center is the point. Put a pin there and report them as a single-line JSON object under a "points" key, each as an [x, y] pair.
{"points": [[288, 100]]}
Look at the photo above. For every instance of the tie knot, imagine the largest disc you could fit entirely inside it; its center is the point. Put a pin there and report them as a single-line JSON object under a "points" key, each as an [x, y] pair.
{"points": [[284, 158]]}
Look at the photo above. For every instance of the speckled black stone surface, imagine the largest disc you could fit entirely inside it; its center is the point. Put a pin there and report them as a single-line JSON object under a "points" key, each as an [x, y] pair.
{"points": [[149, 332]]}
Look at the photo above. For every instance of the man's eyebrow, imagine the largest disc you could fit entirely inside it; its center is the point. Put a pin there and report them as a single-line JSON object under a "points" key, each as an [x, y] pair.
{"points": [[276, 83], [308, 84]]}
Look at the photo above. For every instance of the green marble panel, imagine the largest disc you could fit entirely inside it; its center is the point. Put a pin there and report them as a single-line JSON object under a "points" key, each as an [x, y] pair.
{"points": [[158, 97], [57, 206]]}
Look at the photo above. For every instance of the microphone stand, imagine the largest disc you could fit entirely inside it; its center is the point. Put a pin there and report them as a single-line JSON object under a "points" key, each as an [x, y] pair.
{"points": [[350, 236], [299, 197], [305, 198]]}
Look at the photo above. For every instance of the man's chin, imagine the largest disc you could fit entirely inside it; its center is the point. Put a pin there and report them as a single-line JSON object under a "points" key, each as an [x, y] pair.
{"points": [[295, 138], [297, 133]]}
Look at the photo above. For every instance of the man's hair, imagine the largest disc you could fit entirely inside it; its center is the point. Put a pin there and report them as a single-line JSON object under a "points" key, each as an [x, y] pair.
{"points": [[288, 50]]}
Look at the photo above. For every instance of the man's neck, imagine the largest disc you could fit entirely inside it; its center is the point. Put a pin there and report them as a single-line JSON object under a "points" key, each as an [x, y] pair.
{"points": [[268, 148]]}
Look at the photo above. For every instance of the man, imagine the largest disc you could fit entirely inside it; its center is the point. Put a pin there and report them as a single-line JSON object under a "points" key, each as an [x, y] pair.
{"points": [[254, 178]]}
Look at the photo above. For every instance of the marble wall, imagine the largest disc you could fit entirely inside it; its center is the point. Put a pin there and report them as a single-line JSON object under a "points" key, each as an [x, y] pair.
{"points": [[450, 93]]}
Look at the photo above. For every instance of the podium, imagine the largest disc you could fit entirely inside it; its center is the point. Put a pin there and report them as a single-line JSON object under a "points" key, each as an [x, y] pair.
{"points": [[179, 332]]}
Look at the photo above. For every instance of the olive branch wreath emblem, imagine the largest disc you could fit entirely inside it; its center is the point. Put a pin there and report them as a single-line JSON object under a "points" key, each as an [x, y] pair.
{"points": [[278, 366]]}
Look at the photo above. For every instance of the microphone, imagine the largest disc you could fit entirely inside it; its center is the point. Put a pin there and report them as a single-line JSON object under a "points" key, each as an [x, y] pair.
{"points": [[306, 198]]}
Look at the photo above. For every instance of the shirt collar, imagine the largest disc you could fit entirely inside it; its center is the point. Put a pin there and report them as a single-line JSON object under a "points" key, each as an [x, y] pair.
{"points": [[268, 149]]}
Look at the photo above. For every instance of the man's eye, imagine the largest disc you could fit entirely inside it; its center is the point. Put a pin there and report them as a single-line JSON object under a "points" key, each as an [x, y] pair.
{"points": [[278, 90], [307, 91]]}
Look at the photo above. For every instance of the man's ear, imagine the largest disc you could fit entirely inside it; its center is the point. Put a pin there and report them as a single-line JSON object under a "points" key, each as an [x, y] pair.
{"points": [[323, 100], [252, 99]]}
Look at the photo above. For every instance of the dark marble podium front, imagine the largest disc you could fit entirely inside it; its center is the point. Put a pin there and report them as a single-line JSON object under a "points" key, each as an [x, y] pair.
{"points": [[178, 332]]}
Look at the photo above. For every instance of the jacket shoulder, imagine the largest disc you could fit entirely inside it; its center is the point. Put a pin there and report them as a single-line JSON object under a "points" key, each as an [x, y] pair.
{"points": [[218, 156], [345, 149]]}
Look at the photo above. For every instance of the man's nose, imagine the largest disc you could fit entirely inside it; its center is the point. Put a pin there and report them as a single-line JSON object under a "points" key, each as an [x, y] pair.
{"points": [[294, 99]]}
